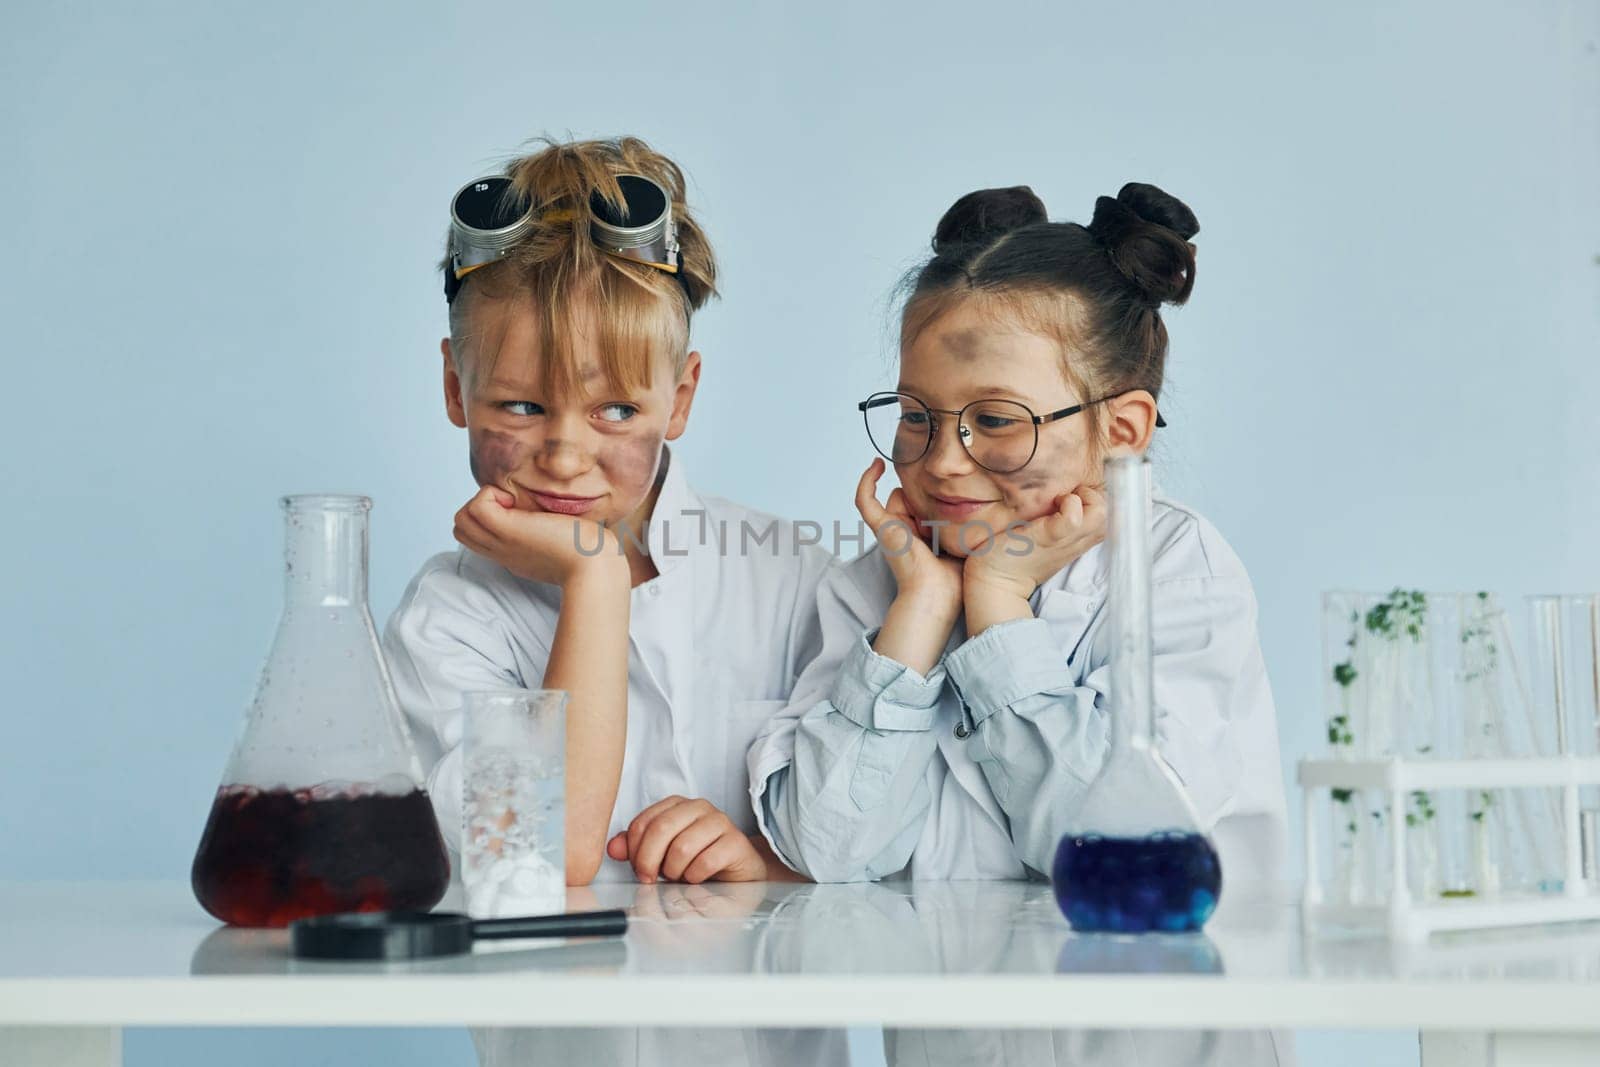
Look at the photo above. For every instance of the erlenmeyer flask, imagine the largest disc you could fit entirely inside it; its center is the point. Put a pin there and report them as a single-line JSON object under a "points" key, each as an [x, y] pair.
{"points": [[1134, 859], [322, 807]]}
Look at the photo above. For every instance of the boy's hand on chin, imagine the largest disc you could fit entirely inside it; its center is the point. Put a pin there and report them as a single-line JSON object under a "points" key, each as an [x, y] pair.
{"points": [[684, 840], [534, 544]]}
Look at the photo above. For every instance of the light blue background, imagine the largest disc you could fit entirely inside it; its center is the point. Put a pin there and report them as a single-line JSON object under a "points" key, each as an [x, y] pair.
{"points": [[220, 286]]}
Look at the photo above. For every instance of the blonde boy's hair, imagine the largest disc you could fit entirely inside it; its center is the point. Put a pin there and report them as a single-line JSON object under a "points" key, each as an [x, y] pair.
{"points": [[639, 311]]}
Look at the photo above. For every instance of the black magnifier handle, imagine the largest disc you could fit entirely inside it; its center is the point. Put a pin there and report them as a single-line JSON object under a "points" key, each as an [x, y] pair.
{"points": [[612, 923]]}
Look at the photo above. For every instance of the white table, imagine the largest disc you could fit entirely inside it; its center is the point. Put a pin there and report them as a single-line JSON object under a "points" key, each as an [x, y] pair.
{"points": [[80, 961]]}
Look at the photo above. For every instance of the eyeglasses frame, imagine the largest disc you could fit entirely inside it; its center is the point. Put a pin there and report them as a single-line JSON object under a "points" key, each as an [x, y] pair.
{"points": [[881, 399]]}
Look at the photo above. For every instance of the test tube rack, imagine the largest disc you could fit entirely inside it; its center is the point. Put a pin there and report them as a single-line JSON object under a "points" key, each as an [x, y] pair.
{"points": [[1407, 919]]}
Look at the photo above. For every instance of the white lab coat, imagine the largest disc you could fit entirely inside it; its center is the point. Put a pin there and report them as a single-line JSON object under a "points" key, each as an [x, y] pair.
{"points": [[974, 770], [716, 642]]}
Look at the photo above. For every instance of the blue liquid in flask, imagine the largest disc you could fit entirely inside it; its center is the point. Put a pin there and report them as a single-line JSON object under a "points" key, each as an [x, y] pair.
{"points": [[1166, 882]]}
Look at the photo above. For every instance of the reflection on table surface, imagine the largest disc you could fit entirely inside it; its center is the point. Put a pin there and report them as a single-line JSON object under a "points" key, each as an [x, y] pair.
{"points": [[891, 928], [783, 929]]}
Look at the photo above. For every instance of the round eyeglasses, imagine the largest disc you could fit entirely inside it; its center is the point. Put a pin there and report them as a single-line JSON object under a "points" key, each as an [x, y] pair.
{"points": [[1001, 436]]}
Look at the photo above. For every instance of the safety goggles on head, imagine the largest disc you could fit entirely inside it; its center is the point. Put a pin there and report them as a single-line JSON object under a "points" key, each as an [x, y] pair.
{"points": [[488, 218]]}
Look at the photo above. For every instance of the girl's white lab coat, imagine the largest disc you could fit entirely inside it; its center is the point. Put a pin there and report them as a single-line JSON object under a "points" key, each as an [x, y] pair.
{"points": [[972, 772], [873, 770], [715, 643]]}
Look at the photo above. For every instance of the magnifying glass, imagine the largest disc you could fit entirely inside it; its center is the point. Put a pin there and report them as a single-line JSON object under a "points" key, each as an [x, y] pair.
{"points": [[414, 935]]}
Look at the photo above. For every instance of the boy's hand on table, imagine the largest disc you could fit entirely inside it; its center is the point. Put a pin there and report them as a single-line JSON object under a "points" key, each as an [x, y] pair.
{"points": [[537, 545], [683, 840]]}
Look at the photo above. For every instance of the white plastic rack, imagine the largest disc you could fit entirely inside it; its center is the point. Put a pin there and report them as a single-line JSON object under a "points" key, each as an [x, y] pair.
{"points": [[1410, 920]]}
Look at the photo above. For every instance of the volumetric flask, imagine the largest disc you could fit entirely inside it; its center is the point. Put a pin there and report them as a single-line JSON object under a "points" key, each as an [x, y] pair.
{"points": [[1134, 859], [322, 807], [514, 859]]}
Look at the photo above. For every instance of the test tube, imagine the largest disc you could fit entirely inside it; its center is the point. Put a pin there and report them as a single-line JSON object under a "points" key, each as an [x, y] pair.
{"points": [[1567, 696]]}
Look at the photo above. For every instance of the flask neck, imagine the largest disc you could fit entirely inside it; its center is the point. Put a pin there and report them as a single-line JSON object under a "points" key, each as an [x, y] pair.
{"points": [[325, 551], [1132, 682]]}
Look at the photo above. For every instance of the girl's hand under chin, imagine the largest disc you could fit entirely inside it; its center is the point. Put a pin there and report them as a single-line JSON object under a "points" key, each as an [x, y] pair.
{"points": [[924, 611], [1002, 573], [536, 545], [920, 573]]}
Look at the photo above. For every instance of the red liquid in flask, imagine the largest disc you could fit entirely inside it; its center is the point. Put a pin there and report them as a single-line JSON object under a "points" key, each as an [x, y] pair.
{"points": [[271, 856]]}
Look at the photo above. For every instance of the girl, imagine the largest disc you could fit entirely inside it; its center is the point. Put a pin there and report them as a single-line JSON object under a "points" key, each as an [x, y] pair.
{"points": [[587, 564], [958, 710]]}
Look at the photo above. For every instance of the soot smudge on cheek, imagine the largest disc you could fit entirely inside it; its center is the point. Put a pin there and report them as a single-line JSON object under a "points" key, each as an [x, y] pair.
{"points": [[495, 455], [1057, 468], [632, 464], [1033, 478], [1047, 468]]}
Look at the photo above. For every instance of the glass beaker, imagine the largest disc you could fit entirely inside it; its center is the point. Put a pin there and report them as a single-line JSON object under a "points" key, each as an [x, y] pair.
{"points": [[513, 852], [322, 807], [1134, 859]]}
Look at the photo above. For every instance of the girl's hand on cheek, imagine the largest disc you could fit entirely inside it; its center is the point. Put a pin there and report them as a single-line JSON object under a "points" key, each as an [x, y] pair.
{"points": [[534, 544], [1017, 560], [919, 572]]}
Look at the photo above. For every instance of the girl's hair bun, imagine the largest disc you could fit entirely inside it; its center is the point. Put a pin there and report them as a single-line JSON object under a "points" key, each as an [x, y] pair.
{"points": [[1147, 231], [981, 216]]}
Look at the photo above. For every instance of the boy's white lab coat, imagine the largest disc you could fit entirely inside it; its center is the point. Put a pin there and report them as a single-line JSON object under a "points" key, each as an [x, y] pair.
{"points": [[716, 642]]}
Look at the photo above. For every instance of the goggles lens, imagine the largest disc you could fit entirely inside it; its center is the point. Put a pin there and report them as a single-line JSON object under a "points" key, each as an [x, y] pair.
{"points": [[644, 203], [488, 204]]}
